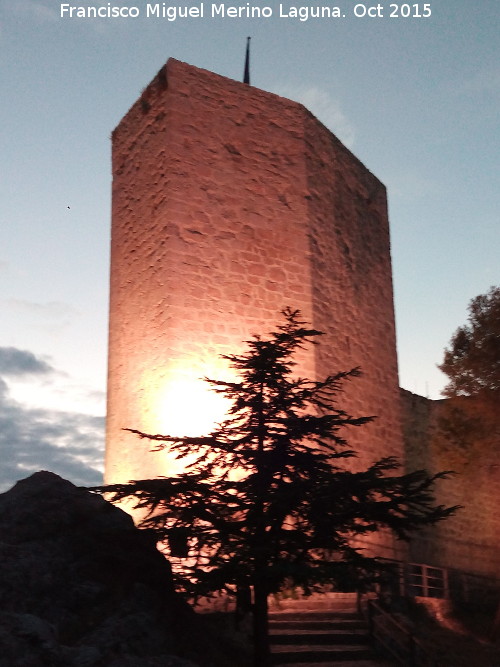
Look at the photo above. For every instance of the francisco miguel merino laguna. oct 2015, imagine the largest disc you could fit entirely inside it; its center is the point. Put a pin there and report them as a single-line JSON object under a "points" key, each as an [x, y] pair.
{"points": [[212, 10]]}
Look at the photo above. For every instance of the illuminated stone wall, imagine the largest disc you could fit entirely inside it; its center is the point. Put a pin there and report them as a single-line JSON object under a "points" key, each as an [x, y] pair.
{"points": [[351, 279], [470, 540], [230, 203]]}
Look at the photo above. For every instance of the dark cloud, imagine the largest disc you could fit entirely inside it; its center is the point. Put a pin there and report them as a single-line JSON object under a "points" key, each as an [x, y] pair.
{"points": [[70, 444], [15, 362]]}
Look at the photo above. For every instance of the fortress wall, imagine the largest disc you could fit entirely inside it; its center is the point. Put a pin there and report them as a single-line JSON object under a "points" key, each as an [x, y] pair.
{"points": [[469, 540], [352, 287], [352, 298], [230, 203], [208, 241]]}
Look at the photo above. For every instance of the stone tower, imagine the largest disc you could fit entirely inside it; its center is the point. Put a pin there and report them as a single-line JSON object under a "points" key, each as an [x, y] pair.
{"points": [[229, 204]]}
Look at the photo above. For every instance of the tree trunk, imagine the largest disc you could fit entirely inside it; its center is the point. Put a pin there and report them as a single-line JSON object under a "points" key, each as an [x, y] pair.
{"points": [[261, 648]]}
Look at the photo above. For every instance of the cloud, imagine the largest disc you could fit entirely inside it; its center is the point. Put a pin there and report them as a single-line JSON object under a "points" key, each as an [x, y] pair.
{"points": [[324, 107], [15, 362], [70, 444]]}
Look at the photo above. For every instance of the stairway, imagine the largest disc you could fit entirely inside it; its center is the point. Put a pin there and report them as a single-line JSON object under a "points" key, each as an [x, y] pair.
{"points": [[321, 632]]}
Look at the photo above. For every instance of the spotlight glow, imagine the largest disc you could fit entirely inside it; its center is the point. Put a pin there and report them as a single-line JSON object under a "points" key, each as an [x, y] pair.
{"points": [[187, 406]]}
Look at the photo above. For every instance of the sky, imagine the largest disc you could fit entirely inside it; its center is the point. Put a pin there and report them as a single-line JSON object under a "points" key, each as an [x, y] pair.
{"points": [[416, 99]]}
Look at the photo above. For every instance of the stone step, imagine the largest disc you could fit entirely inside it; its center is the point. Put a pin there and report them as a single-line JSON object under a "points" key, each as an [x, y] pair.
{"points": [[332, 623], [307, 615], [323, 637], [318, 654], [317, 602], [326, 631], [374, 662], [298, 605], [327, 636]]}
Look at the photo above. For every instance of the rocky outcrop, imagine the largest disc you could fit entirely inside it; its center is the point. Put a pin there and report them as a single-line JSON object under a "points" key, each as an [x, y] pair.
{"points": [[80, 586]]}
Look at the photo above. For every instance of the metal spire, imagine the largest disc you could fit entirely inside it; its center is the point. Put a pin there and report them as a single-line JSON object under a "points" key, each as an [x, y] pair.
{"points": [[246, 74]]}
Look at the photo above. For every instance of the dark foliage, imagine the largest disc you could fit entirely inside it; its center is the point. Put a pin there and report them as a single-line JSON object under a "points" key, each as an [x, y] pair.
{"points": [[270, 497], [472, 361], [469, 421]]}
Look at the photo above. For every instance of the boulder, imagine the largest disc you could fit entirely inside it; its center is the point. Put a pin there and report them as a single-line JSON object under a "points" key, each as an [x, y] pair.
{"points": [[81, 586]]}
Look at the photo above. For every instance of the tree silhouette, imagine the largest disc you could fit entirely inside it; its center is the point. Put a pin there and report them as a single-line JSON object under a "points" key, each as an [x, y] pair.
{"points": [[472, 361], [469, 421], [270, 497]]}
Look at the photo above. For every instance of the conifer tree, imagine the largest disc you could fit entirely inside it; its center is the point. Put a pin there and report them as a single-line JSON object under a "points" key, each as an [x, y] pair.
{"points": [[472, 360], [468, 421], [270, 498]]}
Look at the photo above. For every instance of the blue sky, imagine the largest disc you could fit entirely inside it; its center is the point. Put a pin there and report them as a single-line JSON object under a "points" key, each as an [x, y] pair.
{"points": [[416, 99]]}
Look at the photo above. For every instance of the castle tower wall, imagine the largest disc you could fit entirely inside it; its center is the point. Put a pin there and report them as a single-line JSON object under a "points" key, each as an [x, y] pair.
{"points": [[230, 203], [208, 243], [351, 279]]}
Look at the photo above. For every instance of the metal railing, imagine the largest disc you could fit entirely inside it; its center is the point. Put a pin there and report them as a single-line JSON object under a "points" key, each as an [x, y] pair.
{"points": [[397, 640], [424, 581], [429, 581], [416, 579], [408, 580]]}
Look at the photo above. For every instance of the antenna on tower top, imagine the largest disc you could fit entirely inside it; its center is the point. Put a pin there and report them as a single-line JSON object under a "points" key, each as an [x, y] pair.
{"points": [[246, 73]]}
